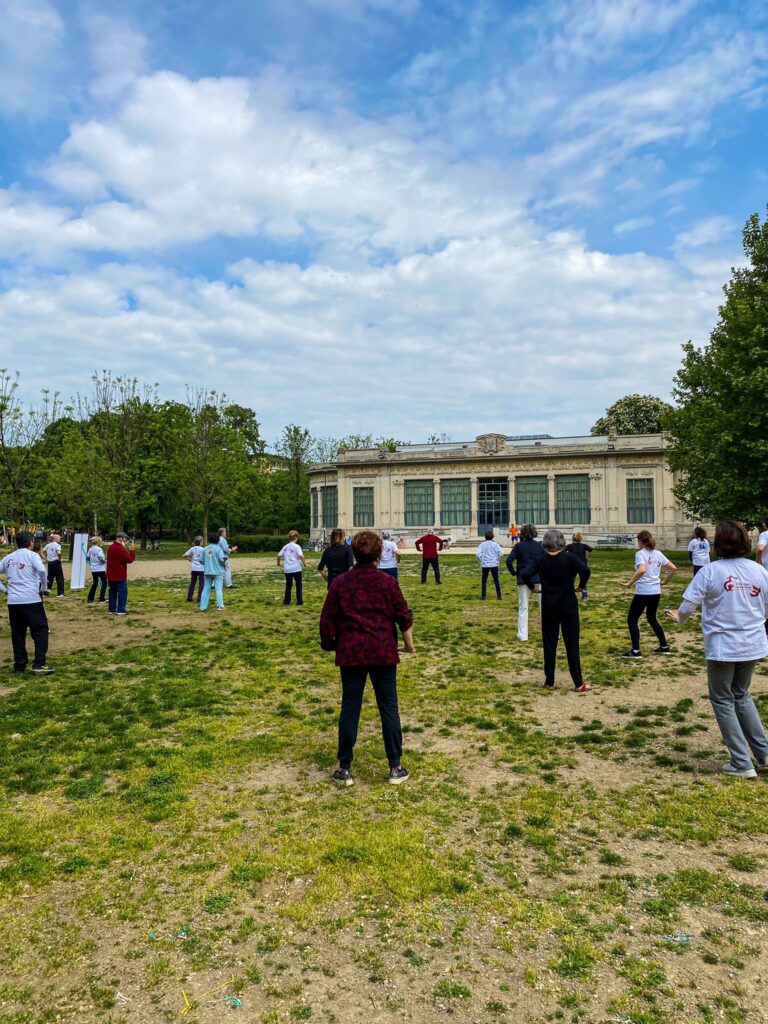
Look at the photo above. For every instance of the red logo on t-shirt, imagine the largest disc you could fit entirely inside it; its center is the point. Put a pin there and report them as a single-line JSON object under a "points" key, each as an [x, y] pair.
{"points": [[734, 583]]}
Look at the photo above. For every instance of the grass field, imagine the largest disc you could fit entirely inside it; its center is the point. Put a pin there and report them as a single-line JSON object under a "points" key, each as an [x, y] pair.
{"points": [[171, 847]]}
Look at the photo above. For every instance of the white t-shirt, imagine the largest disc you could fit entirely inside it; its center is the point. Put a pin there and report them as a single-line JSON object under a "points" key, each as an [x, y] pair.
{"points": [[489, 553], [388, 558], [197, 553], [291, 555], [96, 558], [762, 542], [26, 575], [733, 594], [52, 551], [699, 550], [650, 582]]}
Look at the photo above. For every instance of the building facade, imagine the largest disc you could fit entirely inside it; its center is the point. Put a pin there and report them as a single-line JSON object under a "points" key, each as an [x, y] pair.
{"points": [[606, 487]]}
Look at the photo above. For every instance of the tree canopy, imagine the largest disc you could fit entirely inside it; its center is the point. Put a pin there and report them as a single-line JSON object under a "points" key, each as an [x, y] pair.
{"points": [[720, 427], [633, 414]]}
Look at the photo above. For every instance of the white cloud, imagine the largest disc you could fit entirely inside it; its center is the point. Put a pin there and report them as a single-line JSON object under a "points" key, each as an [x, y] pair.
{"points": [[705, 232], [633, 224], [117, 54]]}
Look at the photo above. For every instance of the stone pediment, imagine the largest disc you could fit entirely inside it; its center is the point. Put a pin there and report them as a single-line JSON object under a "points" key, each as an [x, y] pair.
{"points": [[491, 444]]}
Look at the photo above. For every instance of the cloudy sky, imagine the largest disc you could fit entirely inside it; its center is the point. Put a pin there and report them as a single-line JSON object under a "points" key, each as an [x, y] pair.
{"points": [[386, 216]]}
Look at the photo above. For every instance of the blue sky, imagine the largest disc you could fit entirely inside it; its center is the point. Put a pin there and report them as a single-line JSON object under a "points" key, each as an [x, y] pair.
{"points": [[385, 216]]}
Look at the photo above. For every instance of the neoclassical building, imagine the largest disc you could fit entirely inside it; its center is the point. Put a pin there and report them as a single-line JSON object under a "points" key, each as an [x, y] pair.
{"points": [[604, 486]]}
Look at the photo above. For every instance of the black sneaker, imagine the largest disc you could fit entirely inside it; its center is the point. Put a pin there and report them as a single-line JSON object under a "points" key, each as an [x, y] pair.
{"points": [[343, 776], [663, 650], [397, 775], [42, 670], [632, 654]]}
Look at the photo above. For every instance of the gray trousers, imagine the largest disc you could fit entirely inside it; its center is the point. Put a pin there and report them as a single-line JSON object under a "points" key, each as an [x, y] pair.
{"points": [[735, 711]]}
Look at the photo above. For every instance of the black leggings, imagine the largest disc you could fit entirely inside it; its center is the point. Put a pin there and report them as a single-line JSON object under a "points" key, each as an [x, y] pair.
{"points": [[650, 604], [99, 580]]}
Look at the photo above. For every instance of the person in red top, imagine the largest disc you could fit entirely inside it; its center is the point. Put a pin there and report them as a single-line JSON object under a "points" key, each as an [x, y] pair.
{"points": [[358, 622], [120, 554], [429, 545]]}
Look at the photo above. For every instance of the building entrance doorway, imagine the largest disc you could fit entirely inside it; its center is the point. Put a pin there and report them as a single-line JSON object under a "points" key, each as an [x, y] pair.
{"points": [[493, 503]]}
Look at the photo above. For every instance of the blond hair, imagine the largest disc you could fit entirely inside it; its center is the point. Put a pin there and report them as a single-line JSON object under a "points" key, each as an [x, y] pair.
{"points": [[577, 538], [293, 535], [97, 541]]}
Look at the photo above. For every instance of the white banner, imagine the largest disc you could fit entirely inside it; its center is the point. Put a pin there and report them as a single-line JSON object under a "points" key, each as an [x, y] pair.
{"points": [[79, 548]]}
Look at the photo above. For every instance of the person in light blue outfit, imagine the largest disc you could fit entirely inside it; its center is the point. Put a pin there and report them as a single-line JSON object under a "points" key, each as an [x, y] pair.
{"points": [[214, 567]]}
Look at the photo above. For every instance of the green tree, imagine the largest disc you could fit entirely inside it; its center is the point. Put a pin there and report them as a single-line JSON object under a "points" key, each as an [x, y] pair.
{"points": [[633, 414], [720, 427], [295, 446], [21, 430]]}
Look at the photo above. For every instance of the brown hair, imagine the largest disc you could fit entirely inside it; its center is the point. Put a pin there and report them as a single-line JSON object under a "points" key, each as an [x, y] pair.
{"points": [[731, 540], [700, 532], [293, 535], [489, 534], [337, 537], [577, 538], [367, 547], [646, 539]]}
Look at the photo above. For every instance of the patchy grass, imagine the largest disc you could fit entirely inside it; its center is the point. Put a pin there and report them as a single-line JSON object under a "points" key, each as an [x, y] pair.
{"points": [[169, 835]]}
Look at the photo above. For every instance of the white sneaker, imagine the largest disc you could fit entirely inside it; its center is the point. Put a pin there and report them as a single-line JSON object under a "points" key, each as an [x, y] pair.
{"points": [[738, 773]]}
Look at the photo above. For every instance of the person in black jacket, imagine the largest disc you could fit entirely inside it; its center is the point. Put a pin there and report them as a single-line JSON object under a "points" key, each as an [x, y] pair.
{"points": [[336, 559], [523, 554], [557, 569]]}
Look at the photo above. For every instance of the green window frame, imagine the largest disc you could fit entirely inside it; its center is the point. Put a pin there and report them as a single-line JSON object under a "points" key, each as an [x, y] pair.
{"points": [[532, 500], [572, 500], [330, 506], [362, 506], [315, 504], [640, 500], [419, 503], [455, 502]]}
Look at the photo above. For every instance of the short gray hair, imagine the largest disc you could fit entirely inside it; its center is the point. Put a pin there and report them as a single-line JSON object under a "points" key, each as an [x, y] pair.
{"points": [[553, 540], [385, 535]]}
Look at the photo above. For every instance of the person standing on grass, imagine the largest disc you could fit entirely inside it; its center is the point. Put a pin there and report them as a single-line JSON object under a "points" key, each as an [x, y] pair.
{"points": [[521, 556], [733, 594], [698, 549], [581, 550], [120, 554], [648, 583], [52, 552], [557, 569], [336, 559], [489, 555], [293, 562], [514, 534], [429, 545], [98, 562], [359, 621], [224, 545], [197, 575], [27, 577], [761, 553], [390, 556], [214, 569]]}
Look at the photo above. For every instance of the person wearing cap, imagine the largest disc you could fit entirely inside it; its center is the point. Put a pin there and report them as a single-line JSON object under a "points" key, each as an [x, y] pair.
{"points": [[27, 577], [120, 554]]}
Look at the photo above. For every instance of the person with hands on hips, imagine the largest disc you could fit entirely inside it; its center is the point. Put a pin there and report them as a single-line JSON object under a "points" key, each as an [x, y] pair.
{"points": [[647, 582], [733, 594]]}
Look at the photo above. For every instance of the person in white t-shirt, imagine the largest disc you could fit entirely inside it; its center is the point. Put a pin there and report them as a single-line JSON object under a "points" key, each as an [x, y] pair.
{"points": [[647, 582], [196, 555], [293, 562], [97, 560], [489, 555], [698, 549], [761, 552], [733, 594], [27, 577], [52, 552], [390, 556]]}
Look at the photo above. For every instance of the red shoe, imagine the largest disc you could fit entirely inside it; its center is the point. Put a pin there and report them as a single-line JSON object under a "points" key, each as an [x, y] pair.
{"points": [[583, 688]]}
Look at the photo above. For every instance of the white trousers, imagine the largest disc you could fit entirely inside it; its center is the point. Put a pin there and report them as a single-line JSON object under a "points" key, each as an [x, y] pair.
{"points": [[228, 574], [523, 598]]}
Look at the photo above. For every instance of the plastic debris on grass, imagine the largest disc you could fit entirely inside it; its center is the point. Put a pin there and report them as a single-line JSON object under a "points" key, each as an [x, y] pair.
{"points": [[232, 1001], [680, 937]]}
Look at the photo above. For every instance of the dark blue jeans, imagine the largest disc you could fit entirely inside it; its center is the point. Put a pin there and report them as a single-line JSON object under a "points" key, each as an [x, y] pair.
{"points": [[494, 571], [118, 595], [384, 682]]}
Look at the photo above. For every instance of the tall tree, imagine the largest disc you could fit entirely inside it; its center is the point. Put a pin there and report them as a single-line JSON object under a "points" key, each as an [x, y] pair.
{"points": [[295, 446], [720, 428], [20, 431], [633, 414]]}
